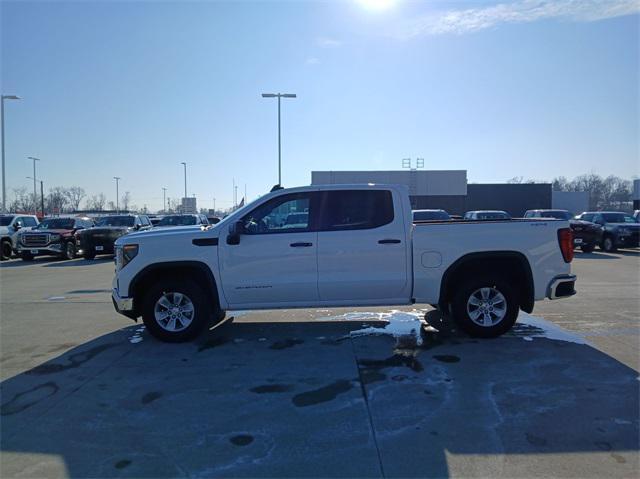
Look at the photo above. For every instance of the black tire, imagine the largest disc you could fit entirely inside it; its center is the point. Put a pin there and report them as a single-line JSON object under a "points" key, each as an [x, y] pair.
{"points": [[588, 248], [89, 256], [26, 256], [69, 250], [204, 311], [608, 244], [7, 250], [465, 322]]}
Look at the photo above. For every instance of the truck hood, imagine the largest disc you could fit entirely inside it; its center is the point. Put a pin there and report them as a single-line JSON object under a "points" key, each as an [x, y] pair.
{"points": [[40, 231], [193, 231]]}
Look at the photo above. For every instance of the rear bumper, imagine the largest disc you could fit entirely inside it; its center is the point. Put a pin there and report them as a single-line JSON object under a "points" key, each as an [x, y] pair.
{"points": [[562, 286], [123, 305]]}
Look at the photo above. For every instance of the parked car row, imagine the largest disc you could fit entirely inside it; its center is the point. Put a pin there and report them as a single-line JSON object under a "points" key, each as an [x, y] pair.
{"points": [[69, 237], [607, 229]]}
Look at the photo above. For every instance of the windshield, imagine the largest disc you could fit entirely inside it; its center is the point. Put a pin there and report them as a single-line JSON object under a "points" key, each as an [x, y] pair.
{"points": [[5, 220], [618, 218], [56, 224], [116, 221], [178, 220], [557, 214], [430, 215]]}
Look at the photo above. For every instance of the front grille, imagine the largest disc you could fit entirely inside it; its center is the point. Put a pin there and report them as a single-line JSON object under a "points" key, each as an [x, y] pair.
{"points": [[35, 239]]}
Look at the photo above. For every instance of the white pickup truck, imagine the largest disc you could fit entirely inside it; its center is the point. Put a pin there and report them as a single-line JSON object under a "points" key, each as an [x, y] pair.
{"points": [[346, 245]]}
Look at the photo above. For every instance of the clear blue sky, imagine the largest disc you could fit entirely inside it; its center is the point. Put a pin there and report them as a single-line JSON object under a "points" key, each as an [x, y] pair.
{"points": [[517, 88]]}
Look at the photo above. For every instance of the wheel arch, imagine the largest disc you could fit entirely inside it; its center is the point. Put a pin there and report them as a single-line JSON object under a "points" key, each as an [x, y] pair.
{"points": [[515, 263], [196, 270]]}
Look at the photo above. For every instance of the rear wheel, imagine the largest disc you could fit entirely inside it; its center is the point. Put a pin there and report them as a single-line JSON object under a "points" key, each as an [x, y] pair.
{"points": [[26, 256], [176, 311], [7, 250], [485, 307], [70, 250]]}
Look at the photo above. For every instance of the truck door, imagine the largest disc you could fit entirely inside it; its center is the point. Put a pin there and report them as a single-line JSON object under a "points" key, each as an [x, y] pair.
{"points": [[275, 262], [362, 255]]}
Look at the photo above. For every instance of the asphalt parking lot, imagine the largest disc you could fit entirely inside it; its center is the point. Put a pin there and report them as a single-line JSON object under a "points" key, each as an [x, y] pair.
{"points": [[331, 393]]}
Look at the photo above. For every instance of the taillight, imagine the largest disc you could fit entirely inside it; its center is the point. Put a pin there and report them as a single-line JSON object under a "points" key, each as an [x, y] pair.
{"points": [[565, 238]]}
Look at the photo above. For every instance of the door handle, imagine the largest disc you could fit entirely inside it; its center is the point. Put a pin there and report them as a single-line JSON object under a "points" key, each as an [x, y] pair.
{"points": [[389, 241], [300, 245]]}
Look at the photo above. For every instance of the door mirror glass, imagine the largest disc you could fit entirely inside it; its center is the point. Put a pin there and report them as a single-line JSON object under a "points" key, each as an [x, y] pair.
{"points": [[17, 226], [235, 230]]}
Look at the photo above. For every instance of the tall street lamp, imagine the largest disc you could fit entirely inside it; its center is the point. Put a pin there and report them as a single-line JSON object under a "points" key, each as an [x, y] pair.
{"points": [[35, 194], [41, 197], [185, 178], [4, 190], [164, 199], [117, 178], [278, 96]]}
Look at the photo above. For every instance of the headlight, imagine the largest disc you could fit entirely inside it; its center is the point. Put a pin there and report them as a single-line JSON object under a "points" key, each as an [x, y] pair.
{"points": [[124, 254], [54, 237]]}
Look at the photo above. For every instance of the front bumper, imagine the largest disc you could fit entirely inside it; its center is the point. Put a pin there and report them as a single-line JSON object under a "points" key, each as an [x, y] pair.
{"points": [[562, 286], [123, 305], [50, 249]]}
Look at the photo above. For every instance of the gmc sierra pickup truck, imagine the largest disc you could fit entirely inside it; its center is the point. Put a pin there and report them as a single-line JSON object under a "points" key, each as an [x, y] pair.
{"points": [[350, 245]]}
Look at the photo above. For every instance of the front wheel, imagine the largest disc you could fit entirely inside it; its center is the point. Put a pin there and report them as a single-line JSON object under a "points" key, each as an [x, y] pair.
{"points": [[485, 307], [70, 250], [587, 248], [176, 311], [608, 244], [7, 250]]}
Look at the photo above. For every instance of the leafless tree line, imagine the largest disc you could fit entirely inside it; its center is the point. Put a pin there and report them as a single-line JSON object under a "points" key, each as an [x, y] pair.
{"points": [[60, 199], [610, 193]]}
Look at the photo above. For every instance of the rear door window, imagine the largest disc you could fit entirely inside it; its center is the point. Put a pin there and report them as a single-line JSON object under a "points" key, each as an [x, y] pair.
{"points": [[355, 209]]}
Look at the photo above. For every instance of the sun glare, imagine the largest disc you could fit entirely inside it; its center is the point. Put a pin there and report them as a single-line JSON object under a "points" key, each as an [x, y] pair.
{"points": [[377, 5]]}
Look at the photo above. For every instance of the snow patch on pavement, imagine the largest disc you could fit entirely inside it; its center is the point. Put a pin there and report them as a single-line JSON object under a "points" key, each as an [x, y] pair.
{"points": [[400, 324], [137, 336]]}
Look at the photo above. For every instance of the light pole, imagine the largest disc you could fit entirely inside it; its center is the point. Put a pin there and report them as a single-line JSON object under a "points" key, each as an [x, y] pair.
{"points": [[185, 178], [214, 206], [278, 96], [35, 194], [4, 190], [164, 199], [35, 202], [117, 178]]}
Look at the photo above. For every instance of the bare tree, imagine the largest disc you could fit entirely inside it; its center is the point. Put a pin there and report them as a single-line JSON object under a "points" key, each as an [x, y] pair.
{"points": [[74, 195], [97, 202], [125, 200], [56, 201], [23, 202]]}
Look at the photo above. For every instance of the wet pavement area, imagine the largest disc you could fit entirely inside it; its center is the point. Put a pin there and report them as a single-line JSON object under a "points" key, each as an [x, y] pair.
{"points": [[323, 399]]}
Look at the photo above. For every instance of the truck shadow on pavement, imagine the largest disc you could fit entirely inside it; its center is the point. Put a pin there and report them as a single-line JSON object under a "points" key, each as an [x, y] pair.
{"points": [[322, 399]]}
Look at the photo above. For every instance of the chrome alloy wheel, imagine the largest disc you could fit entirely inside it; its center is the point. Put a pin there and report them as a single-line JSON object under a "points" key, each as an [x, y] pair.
{"points": [[486, 306], [174, 311]]}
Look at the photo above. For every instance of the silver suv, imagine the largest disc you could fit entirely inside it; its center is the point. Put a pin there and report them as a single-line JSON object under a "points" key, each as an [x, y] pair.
{"points": [[9, 227]]}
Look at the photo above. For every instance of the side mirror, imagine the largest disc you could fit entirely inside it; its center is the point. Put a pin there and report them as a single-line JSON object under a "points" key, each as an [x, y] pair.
{"points": [[17, 226], [235, 230]]}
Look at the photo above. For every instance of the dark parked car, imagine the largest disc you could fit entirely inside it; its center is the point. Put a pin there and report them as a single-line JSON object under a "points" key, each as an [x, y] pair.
{"points": [[100, 238], [183, 220], [430, 215], [53, 237], [586, 235], [487, 215], [620, 229]]}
